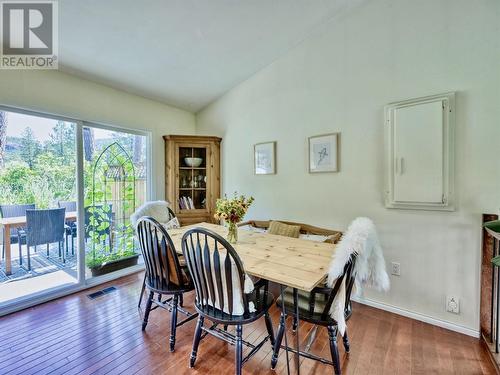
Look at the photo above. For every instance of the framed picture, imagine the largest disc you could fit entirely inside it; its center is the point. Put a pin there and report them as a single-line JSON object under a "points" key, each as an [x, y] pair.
{"points": [[265, 158], [323, 153]]}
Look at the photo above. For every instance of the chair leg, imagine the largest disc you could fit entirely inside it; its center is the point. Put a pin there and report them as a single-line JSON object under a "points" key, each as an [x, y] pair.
{"points": [[196, 341], [173, 322], [277, 342], [21, 254], [294, 324], [181, 300], [62, 246], [72, 244], [59, 247], [143, 289], [347, 345], [67, 244], [148, 310], [239, 349], [334, 350], [225, 327], [48, 250], [269, 326], [29, 258]]}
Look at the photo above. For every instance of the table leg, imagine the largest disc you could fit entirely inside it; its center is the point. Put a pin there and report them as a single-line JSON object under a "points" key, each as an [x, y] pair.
{"points": [[297, 342], [283, 313], [6, 233]]}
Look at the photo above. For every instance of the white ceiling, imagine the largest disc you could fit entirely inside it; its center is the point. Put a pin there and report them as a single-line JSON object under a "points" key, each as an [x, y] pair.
{"points": [[186, 52]]}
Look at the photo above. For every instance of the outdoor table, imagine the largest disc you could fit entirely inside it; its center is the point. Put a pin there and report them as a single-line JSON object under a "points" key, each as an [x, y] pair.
{"points": [[293, 262], [15, 222]]}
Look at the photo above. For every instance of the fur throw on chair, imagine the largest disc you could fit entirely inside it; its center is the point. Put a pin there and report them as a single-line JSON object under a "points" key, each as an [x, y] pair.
{"points": [[361, 238], [158, 210]]}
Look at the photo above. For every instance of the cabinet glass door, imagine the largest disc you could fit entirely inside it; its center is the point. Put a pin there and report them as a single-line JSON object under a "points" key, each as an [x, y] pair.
{"points": [[192, 189]]}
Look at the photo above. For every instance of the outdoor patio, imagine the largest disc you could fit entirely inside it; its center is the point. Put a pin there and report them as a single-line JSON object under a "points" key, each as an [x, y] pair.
{"points": [[40, 263]]}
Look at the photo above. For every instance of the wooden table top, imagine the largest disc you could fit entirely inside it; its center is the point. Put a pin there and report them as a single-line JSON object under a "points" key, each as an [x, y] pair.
{"points": [[21, 220], [294, 262]]}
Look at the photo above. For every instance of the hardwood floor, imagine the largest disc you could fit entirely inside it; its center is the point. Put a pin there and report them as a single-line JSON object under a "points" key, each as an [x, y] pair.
{"points": [[77, 335]]}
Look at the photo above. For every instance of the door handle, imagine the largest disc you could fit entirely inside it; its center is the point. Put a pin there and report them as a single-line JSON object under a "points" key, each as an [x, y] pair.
{"points": [[399, 165]]}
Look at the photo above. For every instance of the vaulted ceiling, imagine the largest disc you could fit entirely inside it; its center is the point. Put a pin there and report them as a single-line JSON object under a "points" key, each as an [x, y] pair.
{"points": [[182, 52]]}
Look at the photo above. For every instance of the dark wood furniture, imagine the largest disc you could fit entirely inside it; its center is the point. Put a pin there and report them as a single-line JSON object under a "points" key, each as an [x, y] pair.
{"points": [[218, 274], [200, 185], [314, 307], [164, 274]]}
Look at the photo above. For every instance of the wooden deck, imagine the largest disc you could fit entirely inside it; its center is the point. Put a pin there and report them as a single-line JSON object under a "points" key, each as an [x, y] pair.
{"points": [[77, 335]]}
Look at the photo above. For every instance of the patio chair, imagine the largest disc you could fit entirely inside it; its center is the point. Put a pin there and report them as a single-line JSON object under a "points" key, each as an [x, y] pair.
{"points": [[16, 234], [45, 227], [164, 274], [224, 293], [70, 206]]}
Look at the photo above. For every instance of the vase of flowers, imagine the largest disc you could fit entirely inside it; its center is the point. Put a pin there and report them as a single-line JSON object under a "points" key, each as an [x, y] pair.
{"points": [[231, 211]]}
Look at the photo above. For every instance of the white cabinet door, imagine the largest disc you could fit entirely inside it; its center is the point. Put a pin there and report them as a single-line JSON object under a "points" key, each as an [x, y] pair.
{"points": [[419, 153]]}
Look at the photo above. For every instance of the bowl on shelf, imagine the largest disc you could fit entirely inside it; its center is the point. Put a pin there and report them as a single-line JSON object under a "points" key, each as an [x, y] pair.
{"points": [[193, 162]]}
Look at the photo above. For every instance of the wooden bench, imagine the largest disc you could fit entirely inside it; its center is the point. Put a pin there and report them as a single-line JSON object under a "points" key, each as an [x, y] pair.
{"points": [[334, 235]]}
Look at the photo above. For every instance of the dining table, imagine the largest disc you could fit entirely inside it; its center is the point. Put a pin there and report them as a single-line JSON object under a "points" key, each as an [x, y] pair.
{"points": [[296, 263], [15, 222]]}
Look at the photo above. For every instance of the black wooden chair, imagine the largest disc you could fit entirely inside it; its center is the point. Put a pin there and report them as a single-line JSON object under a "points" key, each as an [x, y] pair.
{"points": [[182, 262], [70, 206], [219, 278], [45, 227], [314, 307], [164, 274], [16, 234]]}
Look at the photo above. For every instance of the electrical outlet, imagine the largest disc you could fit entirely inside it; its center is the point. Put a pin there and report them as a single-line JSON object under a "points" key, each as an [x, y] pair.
{"points": [[453, 304], [396, 269]]}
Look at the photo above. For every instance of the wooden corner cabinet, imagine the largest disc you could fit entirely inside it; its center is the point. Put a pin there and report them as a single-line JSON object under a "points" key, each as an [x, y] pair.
{"points": [[192, 176]]}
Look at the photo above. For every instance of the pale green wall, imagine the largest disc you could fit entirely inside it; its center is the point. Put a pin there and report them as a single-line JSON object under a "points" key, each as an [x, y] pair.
{"points": [[340, 80]]}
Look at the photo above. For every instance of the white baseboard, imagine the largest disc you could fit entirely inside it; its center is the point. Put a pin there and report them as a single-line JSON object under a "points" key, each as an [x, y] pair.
{"points": [[417, 316]]}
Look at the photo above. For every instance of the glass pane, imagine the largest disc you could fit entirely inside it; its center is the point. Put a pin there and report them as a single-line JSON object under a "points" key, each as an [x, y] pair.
{"points": [[200, 153], [199, 199], [184, 154], [115, 185], [199, 178], [37, 171]]}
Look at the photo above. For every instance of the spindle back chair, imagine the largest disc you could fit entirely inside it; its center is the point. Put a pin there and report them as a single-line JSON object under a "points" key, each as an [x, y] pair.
{"points": [[221, 296], [171, 215], [314, 307], [164, 274]]}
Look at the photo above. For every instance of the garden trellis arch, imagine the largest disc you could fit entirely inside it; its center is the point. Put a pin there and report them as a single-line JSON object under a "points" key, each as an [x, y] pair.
{"points": [[112, 200]]}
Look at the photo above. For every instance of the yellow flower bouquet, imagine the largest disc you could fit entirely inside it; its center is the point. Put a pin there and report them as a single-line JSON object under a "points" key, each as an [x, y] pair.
{"points": [[232, 211]]}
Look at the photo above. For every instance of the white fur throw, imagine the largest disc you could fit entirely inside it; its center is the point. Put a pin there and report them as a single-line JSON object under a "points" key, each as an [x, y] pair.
{"points": [[361, 238], [158, 210]]}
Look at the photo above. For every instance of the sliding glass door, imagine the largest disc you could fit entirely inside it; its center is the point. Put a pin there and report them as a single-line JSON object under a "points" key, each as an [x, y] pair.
{"points": [[67, 190], [37, 183], [115, 183]]}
